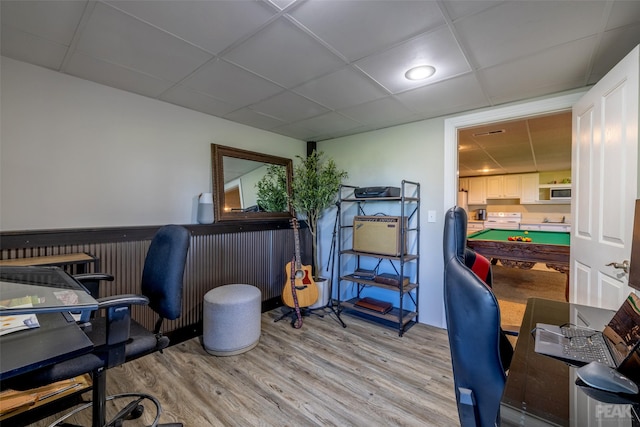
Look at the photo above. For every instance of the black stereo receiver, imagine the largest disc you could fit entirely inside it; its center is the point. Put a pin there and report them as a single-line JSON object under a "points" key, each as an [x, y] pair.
{"points": [[367, 192]]}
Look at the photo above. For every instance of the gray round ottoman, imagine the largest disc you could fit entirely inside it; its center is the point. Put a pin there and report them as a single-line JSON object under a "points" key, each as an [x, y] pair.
{"points": [[231, 319]]}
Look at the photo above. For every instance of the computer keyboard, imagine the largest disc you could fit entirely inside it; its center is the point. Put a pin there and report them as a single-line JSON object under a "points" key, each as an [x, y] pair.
{"points": [[587, 348], [571, 331]]}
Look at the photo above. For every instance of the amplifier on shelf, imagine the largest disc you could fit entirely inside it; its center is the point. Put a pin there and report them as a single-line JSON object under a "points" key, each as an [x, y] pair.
{"points": [[378, 234], [372, 192]]}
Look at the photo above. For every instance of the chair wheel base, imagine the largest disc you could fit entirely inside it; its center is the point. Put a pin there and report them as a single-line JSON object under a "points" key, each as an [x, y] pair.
{"points": [[136, 413]]}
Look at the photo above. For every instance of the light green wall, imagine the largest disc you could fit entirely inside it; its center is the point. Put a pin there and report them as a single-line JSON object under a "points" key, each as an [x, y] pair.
{"points": [[78, 154], [385, 157]]}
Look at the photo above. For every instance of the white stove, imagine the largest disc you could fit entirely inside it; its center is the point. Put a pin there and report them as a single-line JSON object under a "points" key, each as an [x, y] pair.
{"points": [[503, 220]]}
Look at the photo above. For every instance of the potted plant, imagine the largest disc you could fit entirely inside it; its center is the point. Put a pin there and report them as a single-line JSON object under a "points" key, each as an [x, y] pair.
{"points": [[272, 190], [315, 185]]}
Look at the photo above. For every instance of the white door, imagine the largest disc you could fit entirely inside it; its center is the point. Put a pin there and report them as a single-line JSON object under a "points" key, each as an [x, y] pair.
{"points": [[605, 177]]}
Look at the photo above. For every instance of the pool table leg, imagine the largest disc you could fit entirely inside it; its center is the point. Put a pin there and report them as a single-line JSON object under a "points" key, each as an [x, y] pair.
{"points": [[562, 269]]}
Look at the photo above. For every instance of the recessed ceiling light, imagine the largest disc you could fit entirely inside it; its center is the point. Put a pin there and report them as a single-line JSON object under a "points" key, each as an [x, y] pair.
{"points": [[420, 72]]}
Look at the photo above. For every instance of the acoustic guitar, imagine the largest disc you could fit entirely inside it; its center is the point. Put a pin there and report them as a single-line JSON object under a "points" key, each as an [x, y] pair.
{"points": [[299, 278]]}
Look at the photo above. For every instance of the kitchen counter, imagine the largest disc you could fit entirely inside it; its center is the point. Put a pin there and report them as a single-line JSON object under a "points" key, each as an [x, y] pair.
{"points": [[545, 226]]}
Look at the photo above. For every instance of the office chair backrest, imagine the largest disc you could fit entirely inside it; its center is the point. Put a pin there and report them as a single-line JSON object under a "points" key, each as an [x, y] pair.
{"points": [[473, 326], [164, 270]]}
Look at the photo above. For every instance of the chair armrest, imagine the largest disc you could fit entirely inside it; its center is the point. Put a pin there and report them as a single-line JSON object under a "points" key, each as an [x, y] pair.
{"points": [[513, 330], [93, 277], [122, 300], [91, 281], [117, 324]]}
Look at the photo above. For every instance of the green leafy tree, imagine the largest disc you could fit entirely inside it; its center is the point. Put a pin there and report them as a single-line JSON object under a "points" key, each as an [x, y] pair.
{"points": [[272, 190], [315, 186]]}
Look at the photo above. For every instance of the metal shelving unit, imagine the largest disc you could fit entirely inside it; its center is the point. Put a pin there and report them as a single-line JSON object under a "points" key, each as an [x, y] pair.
{"points": [[405, 314]]}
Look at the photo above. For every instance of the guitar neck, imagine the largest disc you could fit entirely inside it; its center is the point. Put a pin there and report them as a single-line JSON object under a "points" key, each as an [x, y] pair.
{"points": [[297, 246]]}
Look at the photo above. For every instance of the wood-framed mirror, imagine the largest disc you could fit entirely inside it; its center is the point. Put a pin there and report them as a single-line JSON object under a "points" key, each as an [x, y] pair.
{"points": [[236, 177]]}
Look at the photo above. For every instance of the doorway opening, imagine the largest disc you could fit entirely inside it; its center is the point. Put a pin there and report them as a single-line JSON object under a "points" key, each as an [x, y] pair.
{"points": [[484, 124]]}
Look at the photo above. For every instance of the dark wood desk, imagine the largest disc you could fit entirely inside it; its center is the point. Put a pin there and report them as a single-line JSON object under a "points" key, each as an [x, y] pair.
{"points": [[541, 390], [75, 263]]}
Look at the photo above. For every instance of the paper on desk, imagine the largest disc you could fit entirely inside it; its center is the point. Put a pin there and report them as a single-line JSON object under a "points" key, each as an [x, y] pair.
{"points": [[18, 322], [67, 297], [26, 301]]}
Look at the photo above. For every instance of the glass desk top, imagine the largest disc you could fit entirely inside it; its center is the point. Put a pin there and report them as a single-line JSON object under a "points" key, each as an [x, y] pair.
{"points": [[541, 390], [26, 290]]}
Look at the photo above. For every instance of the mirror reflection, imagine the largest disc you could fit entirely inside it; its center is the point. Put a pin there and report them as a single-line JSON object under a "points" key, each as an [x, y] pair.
{"points": [[250, 185]]}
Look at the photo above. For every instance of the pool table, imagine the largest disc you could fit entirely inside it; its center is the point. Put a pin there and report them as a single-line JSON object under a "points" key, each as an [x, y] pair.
{"points": [[548, 247]]}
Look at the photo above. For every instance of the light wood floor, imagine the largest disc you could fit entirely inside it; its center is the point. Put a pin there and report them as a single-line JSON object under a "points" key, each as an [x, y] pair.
{"points": [[321, 374]]}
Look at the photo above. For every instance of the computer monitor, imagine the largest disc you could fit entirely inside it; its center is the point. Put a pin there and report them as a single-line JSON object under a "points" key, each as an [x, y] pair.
{"points": [[634, 260]]}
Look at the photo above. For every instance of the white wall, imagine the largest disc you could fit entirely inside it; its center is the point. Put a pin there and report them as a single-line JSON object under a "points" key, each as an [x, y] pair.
{"points": [[78, 154]]}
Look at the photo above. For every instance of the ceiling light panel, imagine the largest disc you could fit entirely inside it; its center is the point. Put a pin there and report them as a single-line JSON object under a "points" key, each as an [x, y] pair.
{"points": [[437, 48]]}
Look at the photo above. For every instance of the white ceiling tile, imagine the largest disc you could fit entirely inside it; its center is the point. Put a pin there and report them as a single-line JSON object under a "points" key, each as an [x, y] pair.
{"points": [[113, 75], [438, 49], [284, 54], [114, 37], [521, 28], [330, 122], [379, 113], [184, 97], [53, 20], [289, 107], [340, 89], [212, 25], [295, 131], [30, 48], [624, 13], [232, 84], [460, 9], [457, 94], [531, 74], [253, 118], [624, 39], [359, 28], [282, 3], [344, 56]]}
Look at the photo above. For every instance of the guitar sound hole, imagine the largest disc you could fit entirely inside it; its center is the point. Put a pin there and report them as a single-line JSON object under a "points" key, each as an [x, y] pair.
{"points": [[299, 274]]}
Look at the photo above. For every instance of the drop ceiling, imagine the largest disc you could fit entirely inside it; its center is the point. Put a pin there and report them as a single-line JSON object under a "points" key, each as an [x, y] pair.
{"points": [[315, 70], [534, 144]]}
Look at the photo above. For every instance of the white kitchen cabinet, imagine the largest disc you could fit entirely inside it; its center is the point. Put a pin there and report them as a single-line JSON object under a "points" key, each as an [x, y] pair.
{"points": [[463, 184], [477, 191], [529, 188], [503, 187]]}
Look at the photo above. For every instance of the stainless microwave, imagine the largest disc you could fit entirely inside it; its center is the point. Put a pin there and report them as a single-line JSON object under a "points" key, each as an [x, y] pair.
{"points": [[560, 193]]}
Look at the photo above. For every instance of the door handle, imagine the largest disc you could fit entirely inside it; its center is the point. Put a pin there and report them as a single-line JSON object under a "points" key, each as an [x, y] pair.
{"points": [[624, 265]]}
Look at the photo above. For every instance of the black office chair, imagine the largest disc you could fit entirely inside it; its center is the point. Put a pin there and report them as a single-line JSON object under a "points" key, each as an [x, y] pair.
{"points": [[119, 339], [479, 350]]}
